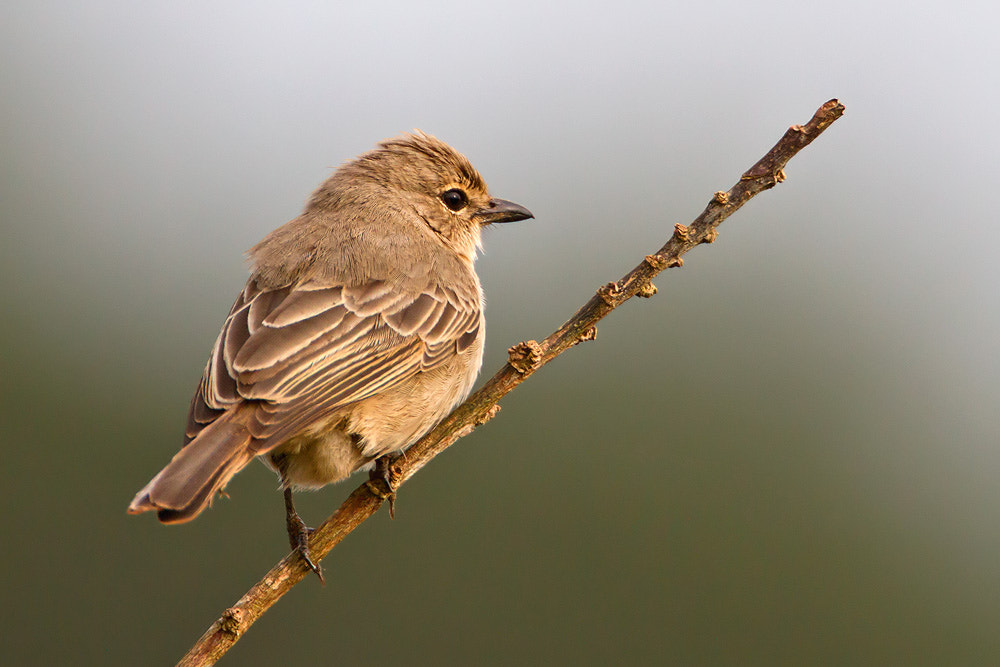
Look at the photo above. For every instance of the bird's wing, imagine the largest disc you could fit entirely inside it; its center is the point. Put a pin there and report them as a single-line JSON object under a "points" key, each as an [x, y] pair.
{"points": [[300, 353]]}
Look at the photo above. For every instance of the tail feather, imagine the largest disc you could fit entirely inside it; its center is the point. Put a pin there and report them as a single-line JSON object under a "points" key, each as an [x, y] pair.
{"points": [[188, 483], [205, 494]]}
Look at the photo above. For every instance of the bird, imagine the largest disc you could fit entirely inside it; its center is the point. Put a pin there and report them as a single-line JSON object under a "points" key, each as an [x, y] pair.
{"points": [[359, 328]]}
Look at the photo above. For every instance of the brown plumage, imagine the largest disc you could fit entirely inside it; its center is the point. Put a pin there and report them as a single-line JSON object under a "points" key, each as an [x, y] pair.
{"points": [[360, 327]]}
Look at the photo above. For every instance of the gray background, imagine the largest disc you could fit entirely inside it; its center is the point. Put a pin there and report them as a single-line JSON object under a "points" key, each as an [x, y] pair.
{"points": [[789, 456]]}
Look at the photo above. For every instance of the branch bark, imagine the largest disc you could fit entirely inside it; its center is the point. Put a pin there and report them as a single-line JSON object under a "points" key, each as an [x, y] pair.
{"points": [[524, 359]]}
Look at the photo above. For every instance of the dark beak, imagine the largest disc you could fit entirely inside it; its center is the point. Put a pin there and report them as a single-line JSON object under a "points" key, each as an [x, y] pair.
{"points": [[501, 210]]}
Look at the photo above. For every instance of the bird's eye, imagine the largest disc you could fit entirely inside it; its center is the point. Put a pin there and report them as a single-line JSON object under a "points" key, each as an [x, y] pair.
{"points": [[455, 199]]}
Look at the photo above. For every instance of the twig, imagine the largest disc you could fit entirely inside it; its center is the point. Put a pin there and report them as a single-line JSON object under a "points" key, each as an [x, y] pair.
{"points": [[524, 359]]}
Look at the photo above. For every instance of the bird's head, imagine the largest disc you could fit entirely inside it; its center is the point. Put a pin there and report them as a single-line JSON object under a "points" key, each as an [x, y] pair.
{"points": [[426, 176]]}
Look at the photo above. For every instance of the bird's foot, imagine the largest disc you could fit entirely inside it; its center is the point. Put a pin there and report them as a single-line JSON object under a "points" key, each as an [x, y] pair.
{"points": [[300, 543], [298, 536], [382, 482]]}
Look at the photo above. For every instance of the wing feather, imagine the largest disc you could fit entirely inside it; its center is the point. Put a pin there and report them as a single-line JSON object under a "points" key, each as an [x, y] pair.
{"points": [[298, 354], [270, 345], [306, 305]]}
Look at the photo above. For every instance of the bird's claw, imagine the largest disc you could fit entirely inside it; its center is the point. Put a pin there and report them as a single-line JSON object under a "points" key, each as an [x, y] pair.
{"points": [[381, 482], [302, 546], [298, 536]]}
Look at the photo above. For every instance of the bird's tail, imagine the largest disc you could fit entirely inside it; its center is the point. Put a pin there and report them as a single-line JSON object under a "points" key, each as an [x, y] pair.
{"points": [[181, 491]]}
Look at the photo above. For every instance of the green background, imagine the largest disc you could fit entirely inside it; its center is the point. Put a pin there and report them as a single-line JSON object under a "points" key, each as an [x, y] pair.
{"points": [[788, 456]]}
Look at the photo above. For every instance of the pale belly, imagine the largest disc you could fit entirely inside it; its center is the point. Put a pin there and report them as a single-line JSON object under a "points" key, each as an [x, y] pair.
{"points": [[390, 421]]}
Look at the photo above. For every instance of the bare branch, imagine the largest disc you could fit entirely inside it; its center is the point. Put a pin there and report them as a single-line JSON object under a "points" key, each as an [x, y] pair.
{"points": [[524, 359]]}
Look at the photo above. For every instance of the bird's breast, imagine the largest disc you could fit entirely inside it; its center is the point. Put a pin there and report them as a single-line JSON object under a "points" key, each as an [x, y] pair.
{"points": [[396, 418]]}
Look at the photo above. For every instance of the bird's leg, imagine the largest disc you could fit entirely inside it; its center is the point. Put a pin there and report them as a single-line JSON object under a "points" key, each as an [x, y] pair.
{"points": [[382, 472], [298, 534]]}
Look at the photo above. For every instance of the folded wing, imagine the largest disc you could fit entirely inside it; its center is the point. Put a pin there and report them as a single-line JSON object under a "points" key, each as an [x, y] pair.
{"points": [[297, 354]]}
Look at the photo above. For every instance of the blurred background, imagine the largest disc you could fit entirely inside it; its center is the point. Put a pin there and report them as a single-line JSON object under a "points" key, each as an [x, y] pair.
{"points": [[788, 456]]}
